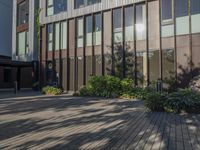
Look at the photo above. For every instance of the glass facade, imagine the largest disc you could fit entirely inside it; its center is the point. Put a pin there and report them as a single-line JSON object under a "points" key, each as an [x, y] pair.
{"points": [[127, 49], [56, 6]]}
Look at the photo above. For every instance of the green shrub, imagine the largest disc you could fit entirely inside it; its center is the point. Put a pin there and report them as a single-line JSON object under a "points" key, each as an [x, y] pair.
{"points": [[50, 90], [183, 99], [127, 84], [85, 91], [155, 101], [103, 86]]}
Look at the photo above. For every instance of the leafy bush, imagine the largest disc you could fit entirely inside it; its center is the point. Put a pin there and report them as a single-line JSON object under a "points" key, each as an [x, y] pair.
{"points": [[183, 99], [85, 91], [50, 90], [127, 84], [155, 101]]}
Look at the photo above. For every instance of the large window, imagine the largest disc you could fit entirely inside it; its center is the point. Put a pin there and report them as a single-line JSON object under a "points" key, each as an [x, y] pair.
{"points": [[79, 32], [22, 13], [22, 43], [50, 37], [56, 6], [140, 22], [195, 16], [117, 25], [64, 35], [83, 3], [89, 31], [129, 24], [97, 30]]}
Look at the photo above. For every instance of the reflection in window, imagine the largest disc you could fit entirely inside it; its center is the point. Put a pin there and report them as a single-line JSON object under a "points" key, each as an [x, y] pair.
{"points": [[22, 13], [168, 63], [129, 22], [50, 37], [89, 31], [56, 6], [154, 65], [97, 30], [117, 25], [64, 35], [22, 43], [140, 22], [141, 67], [80, 32]]}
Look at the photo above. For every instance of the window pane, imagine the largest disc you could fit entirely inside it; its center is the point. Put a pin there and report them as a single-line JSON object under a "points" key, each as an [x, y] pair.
{"points": [[57, 36], [141, 67], [56, 6], [182, 18], [195, 17], [129, 22], [21, 43], [117, 25], [195, 7], [154, 65], [80, 32], [22, 14], [98, 26], [60, 6], [82, 3], [167, 30], [166, 9], [79, 3], [50, 37], [140, 22], [50, 10], [89, 31], [181, 8], [168, 63], [64, 35]]}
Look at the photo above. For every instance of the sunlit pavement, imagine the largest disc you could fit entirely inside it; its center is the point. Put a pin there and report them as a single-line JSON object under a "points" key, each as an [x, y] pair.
{"points": [[65, 122]]}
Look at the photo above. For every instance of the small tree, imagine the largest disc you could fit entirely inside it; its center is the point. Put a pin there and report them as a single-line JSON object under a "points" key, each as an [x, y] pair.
{"points": [[37, 18]]}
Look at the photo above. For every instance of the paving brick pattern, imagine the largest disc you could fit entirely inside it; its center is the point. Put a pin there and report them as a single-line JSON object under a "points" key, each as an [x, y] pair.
{"points": [[70, 123]]}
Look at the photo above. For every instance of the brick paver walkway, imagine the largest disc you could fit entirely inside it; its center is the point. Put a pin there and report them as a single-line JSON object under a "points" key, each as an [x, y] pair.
{"points": [[69, 123]]}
